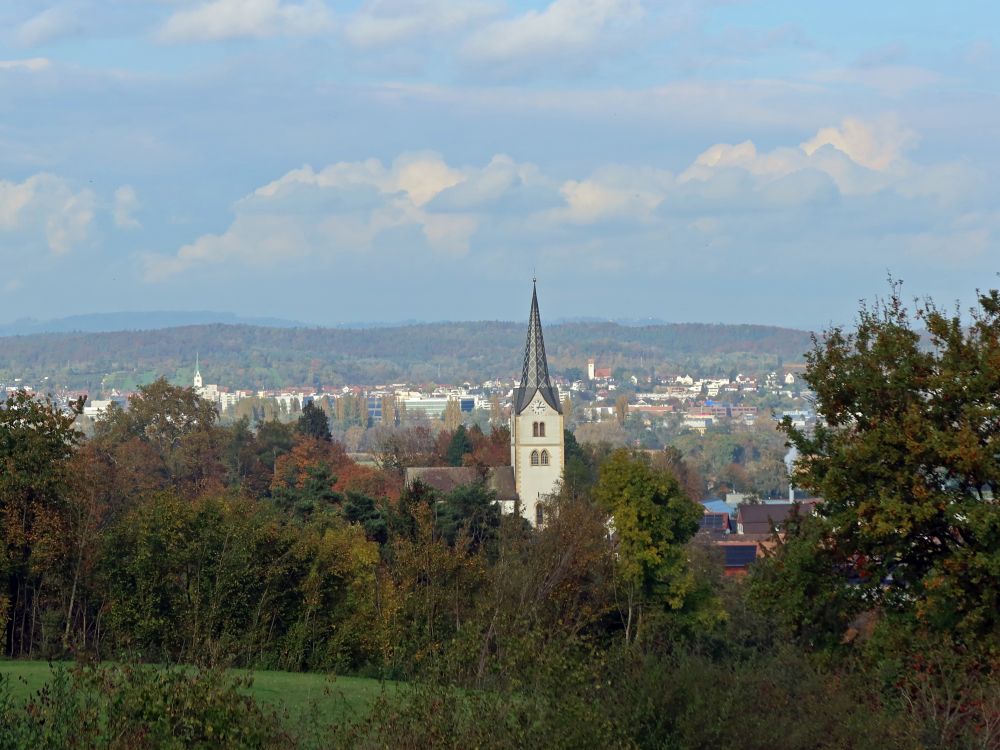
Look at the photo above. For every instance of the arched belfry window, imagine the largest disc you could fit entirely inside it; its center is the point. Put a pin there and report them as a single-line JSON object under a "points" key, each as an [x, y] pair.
{"points": [[545, 458], [534, 429], [541, 429], [534, 458]]}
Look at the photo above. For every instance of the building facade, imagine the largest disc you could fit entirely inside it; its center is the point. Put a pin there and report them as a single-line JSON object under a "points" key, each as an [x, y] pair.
{"points": [[537, 450]]}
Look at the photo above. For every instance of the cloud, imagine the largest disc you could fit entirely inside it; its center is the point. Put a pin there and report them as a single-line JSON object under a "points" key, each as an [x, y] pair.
{"points": [[52, 23], [126, 204], [614, 193], [875, 145], [45, 206], [379, 23], [233, 19], [860, 156], [849, 192], [566, 34], [343, 209], [31, 64]]}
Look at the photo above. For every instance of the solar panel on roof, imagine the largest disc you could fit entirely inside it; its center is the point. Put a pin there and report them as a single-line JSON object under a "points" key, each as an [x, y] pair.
{"points": [[715, 521], [740, 555]]}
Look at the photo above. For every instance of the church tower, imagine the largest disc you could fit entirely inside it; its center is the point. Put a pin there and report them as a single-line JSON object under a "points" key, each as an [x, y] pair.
{"points": [[197, 373], [536, 426]]}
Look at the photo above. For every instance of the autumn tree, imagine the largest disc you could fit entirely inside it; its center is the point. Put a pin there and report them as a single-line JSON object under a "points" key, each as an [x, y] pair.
{"points": [[907, 460], [489, 450], [159, 413], [671, 459], [621, 409], [452, 415], [37, 440], [178, 425]]}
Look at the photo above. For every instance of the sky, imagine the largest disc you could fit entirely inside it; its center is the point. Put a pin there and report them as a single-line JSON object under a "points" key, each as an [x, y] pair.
{"points": [[384, 160]]}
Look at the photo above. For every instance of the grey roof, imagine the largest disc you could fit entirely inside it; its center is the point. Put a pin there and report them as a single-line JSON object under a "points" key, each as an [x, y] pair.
{"points": [[535, 373], [758, 518], [500, 479]]}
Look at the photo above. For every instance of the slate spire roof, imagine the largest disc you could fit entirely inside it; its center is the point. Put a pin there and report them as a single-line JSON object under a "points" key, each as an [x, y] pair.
{"points": [[535, 373]]}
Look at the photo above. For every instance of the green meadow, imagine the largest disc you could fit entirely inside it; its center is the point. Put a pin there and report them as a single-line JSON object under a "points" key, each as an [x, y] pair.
{"points": [[329, 696]]}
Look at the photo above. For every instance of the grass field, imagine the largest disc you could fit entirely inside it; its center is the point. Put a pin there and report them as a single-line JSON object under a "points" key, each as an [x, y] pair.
{"points": [[332, 697]]}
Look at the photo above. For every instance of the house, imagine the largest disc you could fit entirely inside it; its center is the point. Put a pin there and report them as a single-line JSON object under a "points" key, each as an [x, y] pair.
{"points": [[737, 557], [760, 519], [446, 479]]}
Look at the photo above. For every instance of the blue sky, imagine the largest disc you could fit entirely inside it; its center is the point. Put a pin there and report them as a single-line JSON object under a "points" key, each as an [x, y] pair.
{"points": [[419, 159]]}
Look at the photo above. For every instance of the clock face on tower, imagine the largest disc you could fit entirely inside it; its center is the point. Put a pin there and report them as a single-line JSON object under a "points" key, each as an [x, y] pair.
{"points": [[538, 407]]}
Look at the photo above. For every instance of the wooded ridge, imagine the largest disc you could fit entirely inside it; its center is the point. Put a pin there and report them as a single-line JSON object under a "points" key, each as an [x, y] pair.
{"points": [[247, 356]]}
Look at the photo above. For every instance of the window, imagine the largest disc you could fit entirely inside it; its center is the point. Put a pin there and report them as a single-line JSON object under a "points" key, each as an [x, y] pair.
{"points": [[541, 429], [545, 458], [539, 514], [534, 429], [534, 458]]}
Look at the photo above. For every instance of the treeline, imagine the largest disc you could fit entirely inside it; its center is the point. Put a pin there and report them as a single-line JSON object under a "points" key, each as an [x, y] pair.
{"points": [[170, 537], [258, 357]]}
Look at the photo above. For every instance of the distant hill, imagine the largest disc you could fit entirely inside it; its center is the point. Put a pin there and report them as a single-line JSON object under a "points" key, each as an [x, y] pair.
{"points": [[135, 321], [247, 356]]}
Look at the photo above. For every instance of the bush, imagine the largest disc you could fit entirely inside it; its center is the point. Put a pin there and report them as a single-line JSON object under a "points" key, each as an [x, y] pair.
{"points": [[128, 706]]}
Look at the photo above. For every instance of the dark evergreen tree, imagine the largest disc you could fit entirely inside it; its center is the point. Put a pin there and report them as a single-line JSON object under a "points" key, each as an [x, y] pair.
{"points": [[313, 423], [460, 444], [362, 509], [312, 495]]}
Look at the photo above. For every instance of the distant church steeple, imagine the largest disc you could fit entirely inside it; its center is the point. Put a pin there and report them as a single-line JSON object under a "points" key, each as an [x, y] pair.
{"points": [[537, 449], [197, 372], [535, 373]]}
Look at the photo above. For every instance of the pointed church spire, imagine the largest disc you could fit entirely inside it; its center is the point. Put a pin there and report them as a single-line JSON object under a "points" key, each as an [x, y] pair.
{"points": [[535, 373]]}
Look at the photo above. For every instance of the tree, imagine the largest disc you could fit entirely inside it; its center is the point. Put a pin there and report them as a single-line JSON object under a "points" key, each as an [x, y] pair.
{"points": [[313, 423], [621, 408], [178, 425], [907, 461], [567, 408], [652, 520], [460, 445], [274, 439], [578, 470], [452, 415], [37, 441], [312, 494], [471, 509], [160, 414], [671, 459]]}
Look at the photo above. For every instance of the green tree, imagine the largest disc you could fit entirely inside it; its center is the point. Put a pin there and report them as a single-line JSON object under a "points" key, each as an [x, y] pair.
{"points": [[579, 473], [460, 445], [652, 519], [907, 461], [471, 509], [364, 510], [310, 494], [274, 439], [314, 423]]}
